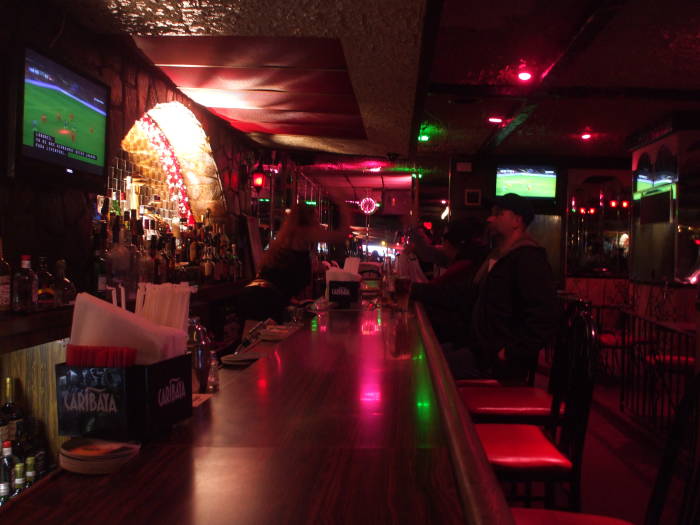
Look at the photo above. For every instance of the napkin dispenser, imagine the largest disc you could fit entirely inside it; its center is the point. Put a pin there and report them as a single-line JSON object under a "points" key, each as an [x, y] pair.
{"points": [[343, 288], [123, 404]]}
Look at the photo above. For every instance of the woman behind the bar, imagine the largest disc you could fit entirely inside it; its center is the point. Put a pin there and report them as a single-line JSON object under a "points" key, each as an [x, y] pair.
{"points": [[286, 267]]}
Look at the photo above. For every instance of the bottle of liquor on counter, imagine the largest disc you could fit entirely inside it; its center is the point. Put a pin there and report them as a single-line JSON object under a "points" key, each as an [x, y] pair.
{"points": [[24, 287], [64, 289], [5, 283], [21, 446], [30, 473], [45, 291], [19, 481], [10, 410], [5, 484], [98, 277], [7, 464], [118, 258]]}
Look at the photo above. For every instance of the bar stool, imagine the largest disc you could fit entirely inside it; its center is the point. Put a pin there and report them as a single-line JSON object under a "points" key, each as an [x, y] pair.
{"points": [[526, 453], [525, 404], [680, 457]]}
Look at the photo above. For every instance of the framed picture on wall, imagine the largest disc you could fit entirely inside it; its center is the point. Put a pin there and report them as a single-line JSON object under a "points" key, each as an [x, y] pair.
{"points": [[472, 197]]}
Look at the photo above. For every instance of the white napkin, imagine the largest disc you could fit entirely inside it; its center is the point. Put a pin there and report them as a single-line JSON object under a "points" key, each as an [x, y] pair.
{"points": [[352, 264], [99, 323]]}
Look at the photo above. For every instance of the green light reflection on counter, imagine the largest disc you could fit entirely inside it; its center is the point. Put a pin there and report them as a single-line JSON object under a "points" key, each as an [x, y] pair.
{"points": [[423, 393], [314, 324]]}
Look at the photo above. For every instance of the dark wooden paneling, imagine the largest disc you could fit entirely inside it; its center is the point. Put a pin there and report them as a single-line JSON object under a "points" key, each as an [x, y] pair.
{"points": [[33, 370]]}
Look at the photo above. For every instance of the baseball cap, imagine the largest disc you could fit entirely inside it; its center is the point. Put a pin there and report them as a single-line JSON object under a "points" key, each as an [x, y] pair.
{"points": [[517, 204]]}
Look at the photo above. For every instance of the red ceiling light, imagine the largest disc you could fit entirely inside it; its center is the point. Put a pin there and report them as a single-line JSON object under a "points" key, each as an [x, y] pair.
{"points": [[591, 211], [625, 204], [524, 76], [495, 120], [258, 180], [613, 204], [582, 211], [586, 136]]}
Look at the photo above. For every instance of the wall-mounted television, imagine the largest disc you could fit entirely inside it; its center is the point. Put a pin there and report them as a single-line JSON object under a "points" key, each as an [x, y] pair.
{"points": [[538, 182], [62, 120]]}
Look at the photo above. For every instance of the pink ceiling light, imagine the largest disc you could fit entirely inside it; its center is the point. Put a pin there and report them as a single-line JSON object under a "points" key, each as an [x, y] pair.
{"points": [[495, 120], [524, 76]]}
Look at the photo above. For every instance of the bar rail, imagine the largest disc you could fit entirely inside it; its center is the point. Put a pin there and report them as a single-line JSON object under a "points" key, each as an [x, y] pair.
{"points": [[481, 495]]}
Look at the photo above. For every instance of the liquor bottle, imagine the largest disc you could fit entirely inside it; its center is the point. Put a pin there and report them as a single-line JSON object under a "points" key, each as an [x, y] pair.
{"points": [[45, 292], [21, 446], [7, 464], [19, 481], [5, 279], [153, 253], [5, 484], [24, 287], [10, 410], [133, 252], [98, 278], [64, 289], [30, 473], [117, 257]]}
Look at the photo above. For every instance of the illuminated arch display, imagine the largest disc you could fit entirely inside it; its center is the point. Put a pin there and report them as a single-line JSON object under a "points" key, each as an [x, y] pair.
{"points": [[169, 143]]}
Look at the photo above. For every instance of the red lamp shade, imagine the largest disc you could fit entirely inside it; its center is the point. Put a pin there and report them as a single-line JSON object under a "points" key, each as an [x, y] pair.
{"points": [[258, 180]]}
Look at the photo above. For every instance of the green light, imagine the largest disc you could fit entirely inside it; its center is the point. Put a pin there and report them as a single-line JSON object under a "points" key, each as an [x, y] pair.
{"points": [[423, 138], [414, 175], [314, 324], [420, 175], [311, 203], [378, 204], [264, 200]]}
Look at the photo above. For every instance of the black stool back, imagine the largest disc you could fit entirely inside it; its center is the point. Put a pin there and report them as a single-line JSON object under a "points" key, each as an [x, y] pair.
{"points": [[680, 459]]}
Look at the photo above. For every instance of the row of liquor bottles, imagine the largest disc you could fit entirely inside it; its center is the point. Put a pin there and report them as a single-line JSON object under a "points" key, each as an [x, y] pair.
{"points": [[25, 290], [131, 249], [24, 458], [127, 250]]}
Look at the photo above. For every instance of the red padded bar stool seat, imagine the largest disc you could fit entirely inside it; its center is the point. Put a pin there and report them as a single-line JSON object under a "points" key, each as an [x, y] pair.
{"points": [[554, 517], [477, 382], [507, 401], [520, 447]]}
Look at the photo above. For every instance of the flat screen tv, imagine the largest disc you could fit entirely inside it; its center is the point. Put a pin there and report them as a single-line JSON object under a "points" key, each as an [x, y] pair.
{"points": [[527, 181], [62, 120]]}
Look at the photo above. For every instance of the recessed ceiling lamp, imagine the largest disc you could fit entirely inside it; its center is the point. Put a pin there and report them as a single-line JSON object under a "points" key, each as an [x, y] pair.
{"points": [[495, 120], [586, 136], [524, 76]]}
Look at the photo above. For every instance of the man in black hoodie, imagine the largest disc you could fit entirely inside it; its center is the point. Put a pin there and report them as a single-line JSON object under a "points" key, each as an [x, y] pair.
{"points": [[515, 312]]}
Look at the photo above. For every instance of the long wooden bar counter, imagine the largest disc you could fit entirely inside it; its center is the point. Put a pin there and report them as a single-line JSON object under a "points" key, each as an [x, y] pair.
{"points": [[339, 423]]}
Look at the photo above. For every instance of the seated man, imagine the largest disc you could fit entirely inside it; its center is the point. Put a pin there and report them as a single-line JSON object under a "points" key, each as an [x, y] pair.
{"points": [[515, 312]]}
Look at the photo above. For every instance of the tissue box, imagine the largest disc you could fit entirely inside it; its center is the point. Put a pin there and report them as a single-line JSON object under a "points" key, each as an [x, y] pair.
{"points": [[123, 404], [345, 293]]}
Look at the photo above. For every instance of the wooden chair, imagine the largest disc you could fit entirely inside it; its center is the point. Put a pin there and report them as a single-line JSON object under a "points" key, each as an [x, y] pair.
{"points": [[527, 453], [680, 458]]}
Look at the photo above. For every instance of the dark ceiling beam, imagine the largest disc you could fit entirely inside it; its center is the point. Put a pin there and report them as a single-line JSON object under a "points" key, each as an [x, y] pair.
{"points": [[431, 27], [601, 13], [470, 93]]}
